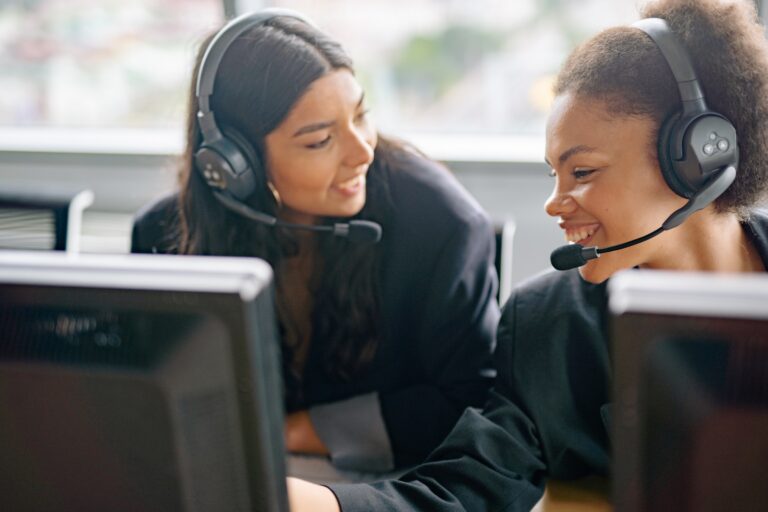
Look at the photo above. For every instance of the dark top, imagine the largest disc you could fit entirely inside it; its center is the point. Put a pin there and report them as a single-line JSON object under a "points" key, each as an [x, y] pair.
{"points": [[546, 416], [439, 314]]}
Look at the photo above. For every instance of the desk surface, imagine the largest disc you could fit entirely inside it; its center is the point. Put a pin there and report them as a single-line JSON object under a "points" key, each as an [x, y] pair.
{"points": [[586, 495], [320, 470]]}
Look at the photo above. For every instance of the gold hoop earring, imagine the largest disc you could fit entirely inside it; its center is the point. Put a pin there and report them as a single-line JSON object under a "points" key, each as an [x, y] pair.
{"points": [[275, 195]]}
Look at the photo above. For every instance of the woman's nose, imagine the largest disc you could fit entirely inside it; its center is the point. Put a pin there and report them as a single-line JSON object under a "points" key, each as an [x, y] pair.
{"points": [[360, 148], [559, 203]]}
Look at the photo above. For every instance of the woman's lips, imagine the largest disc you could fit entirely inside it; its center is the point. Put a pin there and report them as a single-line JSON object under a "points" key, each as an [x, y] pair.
{"points": [[351, 186], [580, 234]]}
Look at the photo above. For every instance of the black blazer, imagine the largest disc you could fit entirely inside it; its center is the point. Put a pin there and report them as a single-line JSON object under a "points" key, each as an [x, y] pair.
{"points": [[439, 309], [546, 416]]}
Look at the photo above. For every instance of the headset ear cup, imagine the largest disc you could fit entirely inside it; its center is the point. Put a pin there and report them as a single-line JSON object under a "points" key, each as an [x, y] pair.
{"points": [[667, 137], [226, 166], [254, 171], [245, 147]]}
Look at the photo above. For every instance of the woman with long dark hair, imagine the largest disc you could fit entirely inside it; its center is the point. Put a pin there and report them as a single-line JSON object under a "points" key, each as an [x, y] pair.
{"points": [[617, 108], [385, 344]]}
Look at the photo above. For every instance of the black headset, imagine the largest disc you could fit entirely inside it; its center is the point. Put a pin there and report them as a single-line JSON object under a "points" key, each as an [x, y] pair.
{"points": [[698, 150], [228, 163], [694, 142]]}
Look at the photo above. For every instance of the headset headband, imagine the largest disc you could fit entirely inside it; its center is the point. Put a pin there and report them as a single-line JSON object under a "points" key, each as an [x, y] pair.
{"points": [[679, 63], [215, 53]]}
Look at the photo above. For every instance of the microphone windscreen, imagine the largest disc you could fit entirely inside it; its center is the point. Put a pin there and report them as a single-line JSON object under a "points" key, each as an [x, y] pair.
{"points": [[364, 232], [567, 257]]}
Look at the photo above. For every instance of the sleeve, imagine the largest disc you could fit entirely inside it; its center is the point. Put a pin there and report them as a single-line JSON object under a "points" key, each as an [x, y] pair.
{"points": [[490, 461], [454, 344]]}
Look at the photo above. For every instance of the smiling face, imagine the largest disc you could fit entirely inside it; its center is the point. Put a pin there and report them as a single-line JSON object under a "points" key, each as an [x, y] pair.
{"points": [[608, 185], [318, 156]]}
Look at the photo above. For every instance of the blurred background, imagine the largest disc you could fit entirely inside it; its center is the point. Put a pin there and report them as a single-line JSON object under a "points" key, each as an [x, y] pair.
{"points": [[93, 94], [455, 66]]}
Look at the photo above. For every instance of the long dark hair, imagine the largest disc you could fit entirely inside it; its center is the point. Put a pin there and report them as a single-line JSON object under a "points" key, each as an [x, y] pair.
{"points": [[264, 72], [624, 69]]}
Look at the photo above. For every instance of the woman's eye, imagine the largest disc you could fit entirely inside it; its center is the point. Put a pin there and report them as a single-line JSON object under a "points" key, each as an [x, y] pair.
{"points": [[362, 115], [552, 173], [321, 144], [582, 173]]}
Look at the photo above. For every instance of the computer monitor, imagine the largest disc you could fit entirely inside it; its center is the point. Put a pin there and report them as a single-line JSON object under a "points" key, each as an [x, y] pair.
{"points": [[139, 382], [690, 413]]}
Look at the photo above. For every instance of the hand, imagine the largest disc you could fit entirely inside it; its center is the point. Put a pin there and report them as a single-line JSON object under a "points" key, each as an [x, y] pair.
{"points": [[306, 496], [300, 435]]}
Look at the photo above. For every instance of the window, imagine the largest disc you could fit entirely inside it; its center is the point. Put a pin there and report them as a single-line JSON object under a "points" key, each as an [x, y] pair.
{"points": [[461, 66], [456, 76], [95, 64]]}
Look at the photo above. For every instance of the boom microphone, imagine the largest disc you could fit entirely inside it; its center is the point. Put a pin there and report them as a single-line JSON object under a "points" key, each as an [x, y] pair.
{"points": [[571, 256], [356, 231]]}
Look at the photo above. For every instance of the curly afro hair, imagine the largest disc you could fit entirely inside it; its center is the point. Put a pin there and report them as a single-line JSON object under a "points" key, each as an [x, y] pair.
{"points": [[624, 69]]}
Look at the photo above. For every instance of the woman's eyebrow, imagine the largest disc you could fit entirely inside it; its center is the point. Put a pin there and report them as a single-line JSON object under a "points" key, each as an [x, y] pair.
{"points": [[322, 125], [568, 153]]}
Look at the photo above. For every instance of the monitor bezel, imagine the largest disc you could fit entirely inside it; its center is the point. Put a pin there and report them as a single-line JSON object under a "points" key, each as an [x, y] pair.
{"points": [[708, 305], [238, 291]]}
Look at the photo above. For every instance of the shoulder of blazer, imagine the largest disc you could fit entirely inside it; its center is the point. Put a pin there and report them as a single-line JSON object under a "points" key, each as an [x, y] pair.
{"points": [[155, 226], [425, 190]]}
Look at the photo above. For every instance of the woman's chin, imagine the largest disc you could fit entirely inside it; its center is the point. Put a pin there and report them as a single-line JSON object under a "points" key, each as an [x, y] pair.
{"points": [[595, 273], [351, 209], [598, 270]]}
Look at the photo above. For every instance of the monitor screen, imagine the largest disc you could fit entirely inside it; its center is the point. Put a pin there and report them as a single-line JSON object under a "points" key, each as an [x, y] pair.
{"points": [[690, 414], [139, 382]]}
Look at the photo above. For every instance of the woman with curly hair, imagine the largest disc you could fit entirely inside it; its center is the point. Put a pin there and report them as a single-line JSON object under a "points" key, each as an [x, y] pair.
{"points": [[606, 143], [384, 344]]}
